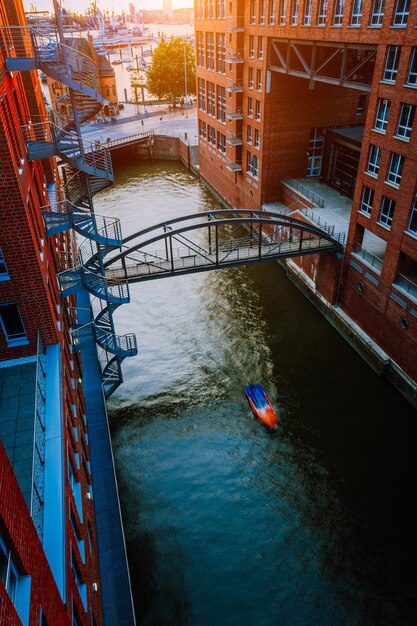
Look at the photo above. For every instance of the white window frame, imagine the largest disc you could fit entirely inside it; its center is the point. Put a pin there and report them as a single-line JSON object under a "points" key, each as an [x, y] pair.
{"points": [[412, 224], [203, 129], [412, 69], [211, 135], [250, 107], [367, 200], [262, 12], [252, 164], [4, 274], [392, 61], [377, 13], [221, 142], [401, 12], [258, 110], [396, 165], [251, 78], [308, 5], [249, 134], [405, 127], [260, 48], [259, 80], [382, 115], [257, 141], [322, 13], [356, 17], [282, 12], [374, 159], [17, 339], [294, 13], [252, 17], [251, 46], [271, 12], [386, 212], [339, 6]]}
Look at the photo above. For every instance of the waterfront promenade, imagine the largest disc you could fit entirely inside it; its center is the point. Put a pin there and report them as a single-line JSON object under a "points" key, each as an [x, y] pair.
{"points": [[174, 123]]}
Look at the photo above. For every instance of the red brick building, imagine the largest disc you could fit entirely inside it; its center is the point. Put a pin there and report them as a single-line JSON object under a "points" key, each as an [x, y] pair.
{"points": [[300, 102], [51, 572]]}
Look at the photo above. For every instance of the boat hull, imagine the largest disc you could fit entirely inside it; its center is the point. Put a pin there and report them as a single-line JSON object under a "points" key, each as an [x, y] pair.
{"points": [[265, 413]]}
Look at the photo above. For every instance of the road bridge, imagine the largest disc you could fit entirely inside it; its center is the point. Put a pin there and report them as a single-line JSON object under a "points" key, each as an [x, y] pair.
{"points": [[216, 239]]}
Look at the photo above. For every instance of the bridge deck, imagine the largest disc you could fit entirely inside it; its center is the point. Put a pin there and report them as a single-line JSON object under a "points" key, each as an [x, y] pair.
{"points": [[151, 265]]}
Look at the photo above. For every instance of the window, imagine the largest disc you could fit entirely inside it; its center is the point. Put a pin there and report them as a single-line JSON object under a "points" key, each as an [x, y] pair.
{"points": [[282, 15], [200, 10], [322, 13], [257, 138], [382, 115], [374, 159], [338, 12], [210, 51], [377, 13], [405, 121], [258, 110], [294, 12], [211, 105], [271, 13], [412, 227], [251, 46], [250, 107], [209, 9], [396, 165], [249, 134], [259, 80], [367, 200], [78, 580], [221, 52], [412, 70], [391, 64], [262, 11], [356, 16], [211, 135], [16, 584], [12, 325], [252, 18], [4, 274], [251, 78], [260, 47], [252, 164], [221, 104], [221, 142], [200, 49], [307, 12], [402, 9], [387, 211], [221, 9], [201, 94]]}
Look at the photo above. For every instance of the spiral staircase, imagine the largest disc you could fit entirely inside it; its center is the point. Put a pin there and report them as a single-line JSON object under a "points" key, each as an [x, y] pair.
{"points": [[87, 169]]}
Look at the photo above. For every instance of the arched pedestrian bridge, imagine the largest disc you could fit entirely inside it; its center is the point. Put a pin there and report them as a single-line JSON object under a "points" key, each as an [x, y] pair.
{"points": [[216, 239]]}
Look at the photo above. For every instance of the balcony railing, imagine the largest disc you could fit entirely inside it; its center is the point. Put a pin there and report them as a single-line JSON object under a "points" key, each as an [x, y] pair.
{"points": [[234, 56], [234, 86], [407, 285], [234, 139], [235, 113], [233, 165], [371, 259], [235, 24]]}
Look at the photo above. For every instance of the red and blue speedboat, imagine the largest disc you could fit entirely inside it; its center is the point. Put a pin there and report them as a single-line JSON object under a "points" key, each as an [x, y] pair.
{"points": [[261, 406]]}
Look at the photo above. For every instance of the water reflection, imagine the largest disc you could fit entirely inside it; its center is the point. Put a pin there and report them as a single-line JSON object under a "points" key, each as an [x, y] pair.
{"points": [[227, 523]]}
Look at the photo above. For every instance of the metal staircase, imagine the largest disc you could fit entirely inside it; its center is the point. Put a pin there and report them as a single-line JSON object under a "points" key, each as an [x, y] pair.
{"points": [[87, 170]]}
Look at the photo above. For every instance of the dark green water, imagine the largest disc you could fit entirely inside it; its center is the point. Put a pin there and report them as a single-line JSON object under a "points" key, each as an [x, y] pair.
{"points": [[227, 524]]}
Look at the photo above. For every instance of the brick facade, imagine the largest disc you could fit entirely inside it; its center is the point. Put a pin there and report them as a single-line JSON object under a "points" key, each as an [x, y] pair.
{"points": [[32, 262], [273, 45]]}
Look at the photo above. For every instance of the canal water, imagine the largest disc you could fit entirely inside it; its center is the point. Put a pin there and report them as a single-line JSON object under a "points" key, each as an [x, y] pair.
{"points": [[227, 524]]}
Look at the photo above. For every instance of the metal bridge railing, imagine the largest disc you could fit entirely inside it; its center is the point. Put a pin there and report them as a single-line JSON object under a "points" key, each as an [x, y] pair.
{"points": [[317, 200]]}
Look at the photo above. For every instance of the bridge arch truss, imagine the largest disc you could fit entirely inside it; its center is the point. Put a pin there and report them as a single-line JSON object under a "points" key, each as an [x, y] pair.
{"points": [[216, 239]]}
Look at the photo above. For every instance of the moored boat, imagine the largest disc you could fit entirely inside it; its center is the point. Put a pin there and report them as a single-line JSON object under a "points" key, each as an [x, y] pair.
{"points": [[261, 406]]}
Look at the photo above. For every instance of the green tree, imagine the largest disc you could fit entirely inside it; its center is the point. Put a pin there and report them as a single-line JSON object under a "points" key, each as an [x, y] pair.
{"points": [[166, 76]]}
